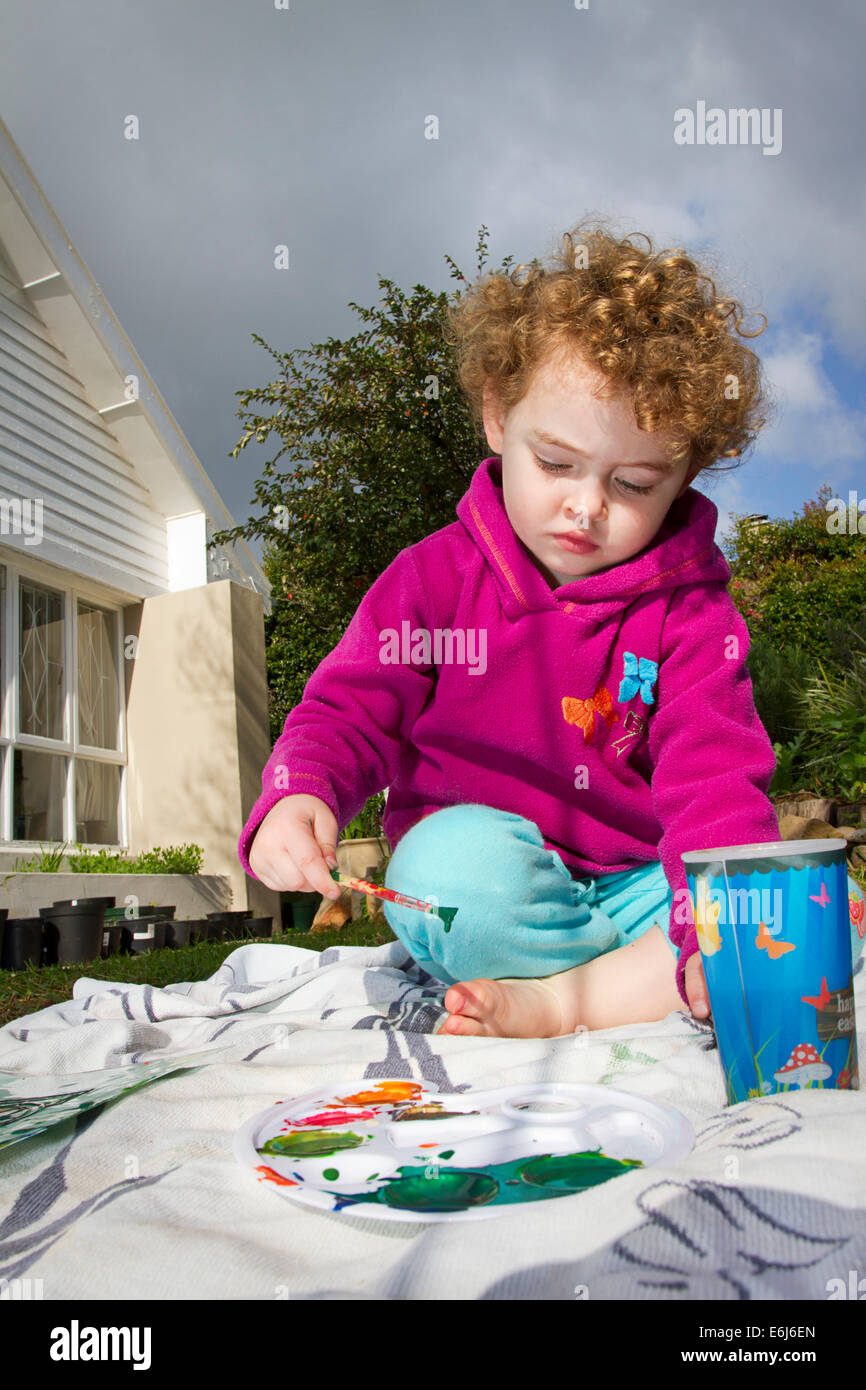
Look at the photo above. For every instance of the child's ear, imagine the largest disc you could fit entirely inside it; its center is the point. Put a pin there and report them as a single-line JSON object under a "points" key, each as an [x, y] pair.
{"points": [[689, 479], [494, 421]]}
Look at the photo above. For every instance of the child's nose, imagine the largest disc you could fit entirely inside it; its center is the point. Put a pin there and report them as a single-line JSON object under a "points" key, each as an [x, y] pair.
{"points": [[586, 501]]}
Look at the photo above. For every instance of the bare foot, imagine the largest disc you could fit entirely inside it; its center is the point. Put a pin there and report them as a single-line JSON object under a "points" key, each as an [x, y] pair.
{"points": [[509, 1009]]}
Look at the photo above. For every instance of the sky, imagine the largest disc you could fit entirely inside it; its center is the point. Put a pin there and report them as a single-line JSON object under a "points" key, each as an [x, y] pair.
{"points": [[304, 123]]}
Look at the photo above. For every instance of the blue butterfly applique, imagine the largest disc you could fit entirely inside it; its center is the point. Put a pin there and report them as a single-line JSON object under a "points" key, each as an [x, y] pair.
{"points": [[638, 676]]}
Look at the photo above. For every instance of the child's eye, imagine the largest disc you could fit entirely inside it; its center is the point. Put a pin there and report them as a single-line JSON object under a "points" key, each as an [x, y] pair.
{"points": [[564, 467]]}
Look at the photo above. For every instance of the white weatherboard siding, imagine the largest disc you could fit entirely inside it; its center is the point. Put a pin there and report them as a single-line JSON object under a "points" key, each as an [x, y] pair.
{"points": [[84, 430], [98, 519]]}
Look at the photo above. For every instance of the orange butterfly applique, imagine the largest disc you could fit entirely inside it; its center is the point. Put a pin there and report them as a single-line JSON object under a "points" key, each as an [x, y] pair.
{"points": [[583, 712], [765, 942]]}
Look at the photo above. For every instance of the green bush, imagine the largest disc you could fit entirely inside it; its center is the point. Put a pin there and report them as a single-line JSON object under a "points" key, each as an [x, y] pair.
{"points": [[816, 722], [177, 859], [368, 822], [800, 587], [778, 676], [100, 861]]}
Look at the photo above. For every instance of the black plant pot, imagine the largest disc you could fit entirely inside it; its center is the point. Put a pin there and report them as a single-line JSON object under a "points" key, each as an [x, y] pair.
{"points": [[198, 929], [259, 926], [22, 942], [72, 933], [85, 902], [302, 915], [231, 924], [151, 939], [162, 914], [178, 934], [112, 940]]}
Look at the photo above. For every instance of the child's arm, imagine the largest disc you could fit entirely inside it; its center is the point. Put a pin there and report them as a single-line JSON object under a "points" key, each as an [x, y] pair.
{"points": [[343, 742], [712, 758]]}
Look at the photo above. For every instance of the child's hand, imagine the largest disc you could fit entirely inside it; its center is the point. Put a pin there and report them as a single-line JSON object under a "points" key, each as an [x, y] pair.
{"points": [[290, 846], [696, 986]]}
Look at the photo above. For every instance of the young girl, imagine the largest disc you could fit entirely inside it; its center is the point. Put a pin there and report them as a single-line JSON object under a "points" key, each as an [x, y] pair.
{"points": [[553, 687]]}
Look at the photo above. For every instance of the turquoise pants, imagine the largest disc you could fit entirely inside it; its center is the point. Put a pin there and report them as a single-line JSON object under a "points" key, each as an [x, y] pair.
{"points": [[521, 914]]}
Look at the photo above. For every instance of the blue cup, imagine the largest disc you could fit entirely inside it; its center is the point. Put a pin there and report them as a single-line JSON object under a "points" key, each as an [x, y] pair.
{"points": [[774, 927]]}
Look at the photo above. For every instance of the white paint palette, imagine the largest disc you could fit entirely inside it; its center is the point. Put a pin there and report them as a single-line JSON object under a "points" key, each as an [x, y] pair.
{"points": [[395, 1150]]}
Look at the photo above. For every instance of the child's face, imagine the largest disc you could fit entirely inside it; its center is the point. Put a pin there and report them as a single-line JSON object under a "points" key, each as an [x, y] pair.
{"points": [[585, 494]]}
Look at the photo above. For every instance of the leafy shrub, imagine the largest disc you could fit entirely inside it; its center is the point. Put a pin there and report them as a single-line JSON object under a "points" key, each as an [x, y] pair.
{"points": [[368, 822], [800, 586], [778, 679], [100, 861], [177, 859]]}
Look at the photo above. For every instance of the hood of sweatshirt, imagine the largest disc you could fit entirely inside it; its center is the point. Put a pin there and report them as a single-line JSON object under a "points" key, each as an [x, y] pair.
{"points": [[682, 552]]}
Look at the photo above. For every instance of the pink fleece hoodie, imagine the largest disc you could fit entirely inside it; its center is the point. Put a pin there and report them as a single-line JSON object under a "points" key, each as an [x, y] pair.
{"points": [[615, 711]]}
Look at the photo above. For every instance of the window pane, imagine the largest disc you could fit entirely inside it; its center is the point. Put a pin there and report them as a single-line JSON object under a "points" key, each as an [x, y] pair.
{"points": [[41, 661], [97, 677], [37, 805], [97, 788]]}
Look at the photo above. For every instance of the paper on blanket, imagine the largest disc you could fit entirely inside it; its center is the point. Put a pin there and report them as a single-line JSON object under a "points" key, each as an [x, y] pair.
{"points": [[31, 1104]]}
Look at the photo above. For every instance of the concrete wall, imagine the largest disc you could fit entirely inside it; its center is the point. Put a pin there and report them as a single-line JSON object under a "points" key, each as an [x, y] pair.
{"points": [[193, 895], [197, 725]]}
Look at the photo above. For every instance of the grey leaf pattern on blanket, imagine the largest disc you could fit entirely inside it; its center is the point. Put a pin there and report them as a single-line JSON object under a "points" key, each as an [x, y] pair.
{"points": [[716, 1240], [706, 1240], [761, 1232], [19, 1252]]}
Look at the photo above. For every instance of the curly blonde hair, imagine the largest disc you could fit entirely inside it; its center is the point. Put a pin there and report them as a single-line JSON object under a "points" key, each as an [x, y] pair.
{"points": [[651, 322]]}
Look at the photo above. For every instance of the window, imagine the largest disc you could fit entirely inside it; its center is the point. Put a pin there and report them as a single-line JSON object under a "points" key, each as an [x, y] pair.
{"points": [[41, 661], [98, 683], [62, 719]]}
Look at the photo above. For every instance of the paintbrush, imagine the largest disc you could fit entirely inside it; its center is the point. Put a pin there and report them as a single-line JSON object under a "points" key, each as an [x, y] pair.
{"points": [[362, 886]]}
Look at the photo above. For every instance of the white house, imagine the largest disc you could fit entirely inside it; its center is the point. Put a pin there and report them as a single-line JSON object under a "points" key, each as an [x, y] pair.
{"points": [[132, 662]]}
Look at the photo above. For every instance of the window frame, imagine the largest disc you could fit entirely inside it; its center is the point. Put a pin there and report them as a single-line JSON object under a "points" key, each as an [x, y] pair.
{"points": [[72, 590]]}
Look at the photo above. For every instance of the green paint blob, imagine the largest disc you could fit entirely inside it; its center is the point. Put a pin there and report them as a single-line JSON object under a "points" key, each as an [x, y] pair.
{"points": [[453, 1191], [312, 1143], [496, 1184], [574, 1172], [331, 1174], [447, 1153]]}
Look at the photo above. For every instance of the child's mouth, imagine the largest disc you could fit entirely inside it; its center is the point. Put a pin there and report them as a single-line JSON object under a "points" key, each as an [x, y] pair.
{"points": [[578, 545]]}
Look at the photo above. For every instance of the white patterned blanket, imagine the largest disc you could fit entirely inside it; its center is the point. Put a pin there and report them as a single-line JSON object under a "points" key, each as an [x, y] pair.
{"points": [[140, 1196]]}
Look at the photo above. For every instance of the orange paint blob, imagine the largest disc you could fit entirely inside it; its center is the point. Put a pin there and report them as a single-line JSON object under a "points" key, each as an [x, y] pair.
{"points": [[382, 1093], [271, 1176]]}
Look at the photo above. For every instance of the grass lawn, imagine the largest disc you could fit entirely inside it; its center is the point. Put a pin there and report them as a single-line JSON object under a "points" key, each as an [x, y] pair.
{"points": [[26, 991]]}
